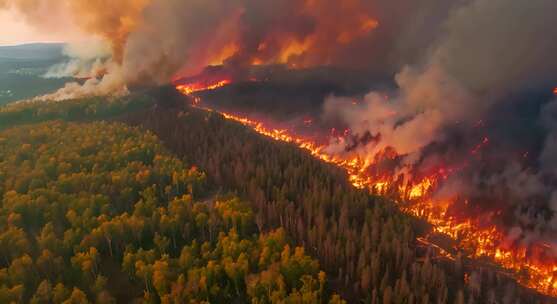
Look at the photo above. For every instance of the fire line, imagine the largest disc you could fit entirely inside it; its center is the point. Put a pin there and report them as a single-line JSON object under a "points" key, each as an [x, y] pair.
{"points": [[475, 241]]}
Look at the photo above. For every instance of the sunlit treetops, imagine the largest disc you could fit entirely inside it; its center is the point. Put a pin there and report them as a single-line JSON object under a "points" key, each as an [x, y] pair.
{"points": [[26, 112], [101, 212]]}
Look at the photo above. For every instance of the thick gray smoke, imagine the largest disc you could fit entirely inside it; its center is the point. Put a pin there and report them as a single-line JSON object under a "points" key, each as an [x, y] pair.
{"points": [[486, 55], [178, 34]]}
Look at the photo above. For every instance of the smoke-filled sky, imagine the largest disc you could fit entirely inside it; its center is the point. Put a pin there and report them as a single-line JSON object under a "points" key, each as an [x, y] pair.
{"points": [[30, 21], [15, 30], [153, 40], [479, 100]]}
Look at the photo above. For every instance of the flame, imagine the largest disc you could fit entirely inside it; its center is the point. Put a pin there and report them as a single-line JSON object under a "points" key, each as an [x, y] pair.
{"points": [[256, 61], [531, 266], [319, 34], [318, 46], [555, 91], [227, 52], [367, 24], [421, 189], [294, 48], [188, 89]]}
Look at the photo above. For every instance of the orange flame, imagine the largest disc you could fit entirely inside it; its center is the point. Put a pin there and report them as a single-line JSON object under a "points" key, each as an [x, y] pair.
{"points": [[188, 89], [475, 240], [227, 52], [366, 25], [294, 48], [299, 51]]}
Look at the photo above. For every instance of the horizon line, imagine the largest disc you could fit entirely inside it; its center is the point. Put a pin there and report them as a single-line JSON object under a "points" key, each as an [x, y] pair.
{"points": [[31, 42]]}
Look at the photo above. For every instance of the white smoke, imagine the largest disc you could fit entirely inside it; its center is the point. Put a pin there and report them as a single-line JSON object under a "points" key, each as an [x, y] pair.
{"points": [[110, 84], [86, 59], [90, 61], [411, 119]]}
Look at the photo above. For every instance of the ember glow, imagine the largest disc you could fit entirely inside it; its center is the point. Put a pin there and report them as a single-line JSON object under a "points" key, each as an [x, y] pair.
{"points": [[531, 266], [191, 88]]}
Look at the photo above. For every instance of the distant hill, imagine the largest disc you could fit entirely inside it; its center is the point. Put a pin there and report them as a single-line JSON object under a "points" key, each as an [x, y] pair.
{"points": [[22, 67], [34, 51]]}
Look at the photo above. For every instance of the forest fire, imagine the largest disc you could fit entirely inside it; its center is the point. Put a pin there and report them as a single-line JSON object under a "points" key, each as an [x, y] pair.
{"points": [[409, 147], [191, 88], [530, 265]]}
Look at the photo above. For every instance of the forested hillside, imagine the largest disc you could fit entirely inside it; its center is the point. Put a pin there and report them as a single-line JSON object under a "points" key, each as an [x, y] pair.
{"points": [[22, 70], [72, 110], [365, 243], [163, 203], [102, 213]]}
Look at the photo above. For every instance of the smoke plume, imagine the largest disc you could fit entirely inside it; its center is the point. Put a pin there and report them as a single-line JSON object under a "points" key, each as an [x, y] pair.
{"points": [[487, 59], [155, 41], [88, 59], [107, 23]]}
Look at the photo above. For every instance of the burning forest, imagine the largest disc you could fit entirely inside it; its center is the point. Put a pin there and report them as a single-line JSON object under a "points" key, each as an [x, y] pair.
{"points": [[447, 108], [478, 231]]}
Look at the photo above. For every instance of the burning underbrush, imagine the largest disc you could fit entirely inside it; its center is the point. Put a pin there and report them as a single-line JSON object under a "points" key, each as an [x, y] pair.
{"points": [[458, 186]]}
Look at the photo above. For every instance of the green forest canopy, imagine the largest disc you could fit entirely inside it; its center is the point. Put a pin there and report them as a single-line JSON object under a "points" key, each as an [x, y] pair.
{"points": [[101, 211]]}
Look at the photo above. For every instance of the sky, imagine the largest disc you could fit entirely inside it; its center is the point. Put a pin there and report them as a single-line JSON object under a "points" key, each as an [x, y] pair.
{"points": [[14, 31]]}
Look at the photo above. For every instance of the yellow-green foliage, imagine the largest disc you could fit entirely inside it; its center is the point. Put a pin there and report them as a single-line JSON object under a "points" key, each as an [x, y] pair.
{"points": [[72, 110], [101, 212]]}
